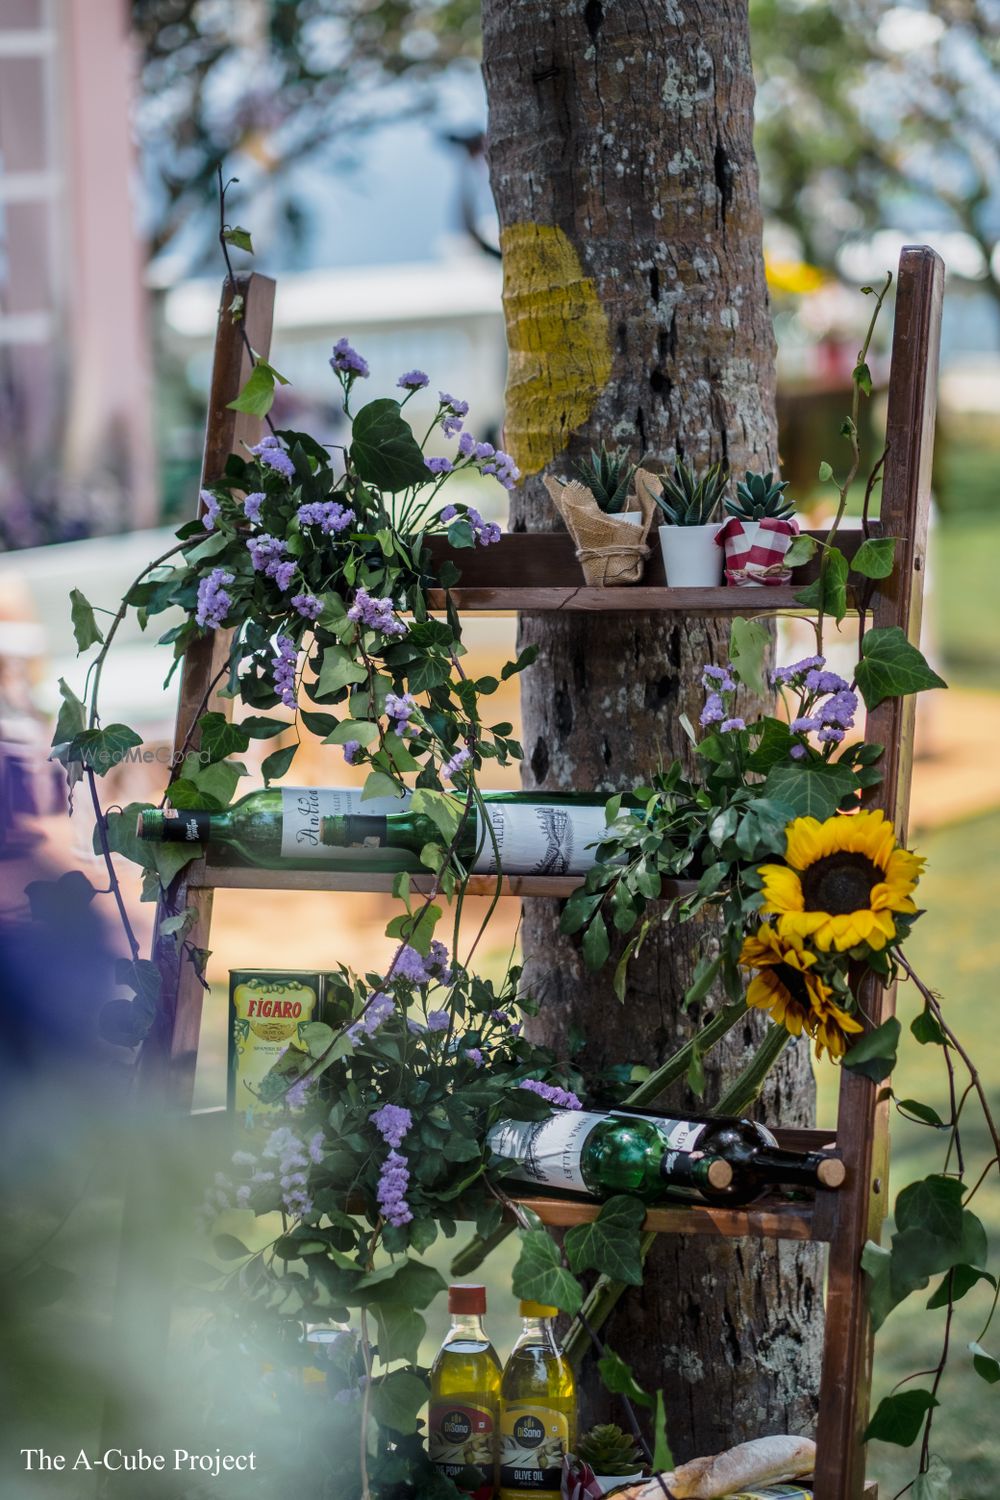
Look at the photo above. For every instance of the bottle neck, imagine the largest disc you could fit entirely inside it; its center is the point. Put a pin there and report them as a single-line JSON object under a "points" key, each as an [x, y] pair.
{"points": [[180, 825], [537, 1331], [467, 1328], [789, 1168]]}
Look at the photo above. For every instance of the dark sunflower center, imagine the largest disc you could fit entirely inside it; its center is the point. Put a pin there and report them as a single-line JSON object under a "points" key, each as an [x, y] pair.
{"points": [[794, 983], [839, 883]]}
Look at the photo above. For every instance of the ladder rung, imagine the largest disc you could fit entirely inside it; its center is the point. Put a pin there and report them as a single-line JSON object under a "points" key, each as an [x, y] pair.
{"points": [[636, 600], [243, 878], [771, 1219]]}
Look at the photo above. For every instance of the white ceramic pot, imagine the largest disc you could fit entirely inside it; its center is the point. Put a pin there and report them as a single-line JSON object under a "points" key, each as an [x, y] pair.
{"points": [[633, 517], [691, 560]]}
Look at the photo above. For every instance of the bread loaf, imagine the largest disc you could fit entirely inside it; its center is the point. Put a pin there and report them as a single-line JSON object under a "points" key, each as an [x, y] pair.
{"points": [[766, 1460]]}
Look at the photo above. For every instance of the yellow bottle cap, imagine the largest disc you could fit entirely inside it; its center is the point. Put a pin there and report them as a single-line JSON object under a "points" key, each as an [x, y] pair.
{"points": [[538, 1310]]}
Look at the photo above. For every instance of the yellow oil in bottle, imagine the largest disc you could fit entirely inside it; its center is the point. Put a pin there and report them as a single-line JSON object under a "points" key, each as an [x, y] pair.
{"points": [[537, 1411], [465, 1397]]}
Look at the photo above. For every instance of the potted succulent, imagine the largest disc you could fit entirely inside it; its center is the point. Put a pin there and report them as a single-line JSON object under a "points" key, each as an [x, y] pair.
{"points": [[689, 506], [612, 1455], [608, 512], [759, 532], [608, 476]]}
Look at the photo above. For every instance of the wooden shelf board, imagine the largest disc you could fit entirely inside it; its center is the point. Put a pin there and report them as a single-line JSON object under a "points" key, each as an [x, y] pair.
{"points": [[241, 878], [767, 1219], [635, 600]]}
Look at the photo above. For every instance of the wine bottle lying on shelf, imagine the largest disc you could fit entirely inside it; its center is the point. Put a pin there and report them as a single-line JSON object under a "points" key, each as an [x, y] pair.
{"points": [[656, 1158], [330, 828]]}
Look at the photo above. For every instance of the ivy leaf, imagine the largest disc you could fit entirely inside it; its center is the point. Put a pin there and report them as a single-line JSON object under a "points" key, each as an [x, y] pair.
{"points": [[899, 1418], [62, 902], [927, 1029], [876, 1262], [383, 449], [802, 548], [408, 1281], [400, 1332], [935, 1484], [100, 750], [890, 667], [85, 628], [274, 766], [540, 1277], [444, 811], [121, 1023], [862, 377], [379, 784], [596, 944], [339, 670], [257, 396], [71, 719], [933, 1204], [619, 1380], [829, 591], [219, 738], [959, 1280], [219, 779], [825, 472], [238, 236], [773, 746], [259, 727], [610, 1243], [397, 1399], [362, 730], [813, 789], [749, 642], [986, 1366], [874, 1056], [875, 557]]}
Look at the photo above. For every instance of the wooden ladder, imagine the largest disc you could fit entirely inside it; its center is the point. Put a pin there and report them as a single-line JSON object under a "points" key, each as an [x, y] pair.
{"points": [[548, 579]]}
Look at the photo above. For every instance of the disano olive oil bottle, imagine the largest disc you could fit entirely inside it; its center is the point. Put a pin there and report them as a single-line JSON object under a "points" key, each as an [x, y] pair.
{"points": [[537, 1411], [465, 1395]]}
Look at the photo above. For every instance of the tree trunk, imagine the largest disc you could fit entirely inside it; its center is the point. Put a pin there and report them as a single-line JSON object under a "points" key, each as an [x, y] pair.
{"points": [[622, 164]]}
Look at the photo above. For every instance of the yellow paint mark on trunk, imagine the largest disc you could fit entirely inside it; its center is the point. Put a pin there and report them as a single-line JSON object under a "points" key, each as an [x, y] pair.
{"points": [[558, 340]]}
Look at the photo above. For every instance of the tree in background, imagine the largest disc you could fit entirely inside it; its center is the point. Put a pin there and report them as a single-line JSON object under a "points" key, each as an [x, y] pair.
{"points": [[637, 312]]}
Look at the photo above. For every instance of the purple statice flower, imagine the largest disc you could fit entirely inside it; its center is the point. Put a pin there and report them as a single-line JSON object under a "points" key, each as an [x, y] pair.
{"points": [[735, 723], [308, 606], [316, 1148], [486, 450], [499, 1015], [516, 1028], [474, 1055], [392, 1122], [213, 601], [243, 1196], [438, 1020], [329, 515], [351, 748], [454, 411], [561, 1098], [394, 1179], [282, 573], [484, 532], [266, 553], [467, 445], [377, 614], [804, 724], [212, 509], [798, 752], [439, 465], [399, 708], [839, 709], [409, 965], [503, 468], [714, 711], [378, 1010], [347, 361], [243, 1159], [270, 453], [449, 513], [283, 670], [252, 504], [436, 963], [783, 675], [413, 380], [454, 765], [717, 679], [830, 736], [825, 682], [297, 1097], [285, 1146]]}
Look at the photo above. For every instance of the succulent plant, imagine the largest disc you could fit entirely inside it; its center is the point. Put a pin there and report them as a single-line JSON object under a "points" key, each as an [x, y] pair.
{"points": [[609, 1450], [686, 500], [760, 496], [608, 476]]}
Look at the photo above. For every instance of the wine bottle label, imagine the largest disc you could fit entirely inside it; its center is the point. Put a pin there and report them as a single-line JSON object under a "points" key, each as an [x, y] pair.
{"points": [[539, 839], [265, 1013], [303, 807], [185, 825], [546, 1151], [462, 1435], [682, 1138], [533, 1444]]}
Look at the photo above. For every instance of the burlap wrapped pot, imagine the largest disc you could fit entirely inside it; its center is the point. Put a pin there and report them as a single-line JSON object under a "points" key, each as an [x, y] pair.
{"points": [[611, 551]]}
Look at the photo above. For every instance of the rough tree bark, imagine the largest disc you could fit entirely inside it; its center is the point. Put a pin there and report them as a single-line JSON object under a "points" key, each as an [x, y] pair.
{"points": [[622, 165]]}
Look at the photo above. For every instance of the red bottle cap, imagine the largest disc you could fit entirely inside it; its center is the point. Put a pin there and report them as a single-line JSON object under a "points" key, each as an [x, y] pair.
{"points": [[467, 1299]]}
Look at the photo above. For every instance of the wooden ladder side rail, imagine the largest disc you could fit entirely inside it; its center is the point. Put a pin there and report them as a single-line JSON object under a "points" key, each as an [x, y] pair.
{"points": [[862, 1127], [170, 1052]]}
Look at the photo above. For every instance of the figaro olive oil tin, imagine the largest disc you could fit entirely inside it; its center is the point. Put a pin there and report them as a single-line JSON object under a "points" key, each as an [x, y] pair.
{"points": [[267, 1009]]}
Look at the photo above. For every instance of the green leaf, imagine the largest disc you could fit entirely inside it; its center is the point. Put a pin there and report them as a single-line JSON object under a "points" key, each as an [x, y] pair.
{"points": [[408, 1281], [890, 667], [610, 1243], [60, 902], [123, 1024], [444, 810], [935, 1484], [219, 779], [749, 643], [933, 1204], [85, 627], [71, 720], [705, 973], [829, 591], [875, 557], [954, 1286], [383, 449], [339, 670], [696, 1074], [378, 784], [362, 730], [927, 1029], [899, 1418], [238, 236], [260, 727], [578, 909], [922, 1113], [802, 548], [876, 1262], [397, 1399], [825, 472], [219, 738], [986, 1366], [257, 396], [100, 750], [813, 789], [400, 1332], [596, 944], [773, 746], [874, 1056], [228, 1247], [619, 1380], [539, 1276], [862, 377], [663, 1459], [274, 766], [143, 978]]}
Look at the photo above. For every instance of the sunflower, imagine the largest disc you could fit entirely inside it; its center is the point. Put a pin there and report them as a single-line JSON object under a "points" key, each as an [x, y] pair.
{"points": [[794, 996], [841, 882]]}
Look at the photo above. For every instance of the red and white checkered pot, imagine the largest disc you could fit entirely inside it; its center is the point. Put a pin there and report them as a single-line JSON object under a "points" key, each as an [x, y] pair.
{"points": [[755, 551]]}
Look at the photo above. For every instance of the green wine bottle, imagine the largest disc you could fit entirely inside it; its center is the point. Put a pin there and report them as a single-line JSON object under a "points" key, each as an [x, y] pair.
{"points": [[523, 833]]}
